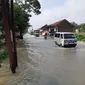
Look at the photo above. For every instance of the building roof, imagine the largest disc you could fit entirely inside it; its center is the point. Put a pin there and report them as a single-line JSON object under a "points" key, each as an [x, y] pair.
{"points": [[44, 26], [57, 23]]}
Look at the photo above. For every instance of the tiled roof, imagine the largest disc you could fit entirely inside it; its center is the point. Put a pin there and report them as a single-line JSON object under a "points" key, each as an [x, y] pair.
{"points": [[56, 23]]}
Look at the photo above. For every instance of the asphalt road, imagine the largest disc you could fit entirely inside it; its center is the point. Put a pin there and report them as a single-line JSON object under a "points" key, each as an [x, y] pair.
{"points": [[54, 65]]}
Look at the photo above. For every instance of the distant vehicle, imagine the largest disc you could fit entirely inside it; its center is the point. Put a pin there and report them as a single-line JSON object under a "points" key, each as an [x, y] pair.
{"points": [[36, 33], [65, 39]]}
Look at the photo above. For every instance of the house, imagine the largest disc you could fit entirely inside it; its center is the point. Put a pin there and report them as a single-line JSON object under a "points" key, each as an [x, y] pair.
{"points": [[61, 26], [44, 29]]}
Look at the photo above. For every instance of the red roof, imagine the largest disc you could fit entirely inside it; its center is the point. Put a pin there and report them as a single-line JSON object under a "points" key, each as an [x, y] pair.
{"points": [[57, 23]]}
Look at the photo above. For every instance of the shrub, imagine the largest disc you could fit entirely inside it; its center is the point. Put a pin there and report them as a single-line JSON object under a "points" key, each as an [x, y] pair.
{"points": [[3, 55], [80, 37]]}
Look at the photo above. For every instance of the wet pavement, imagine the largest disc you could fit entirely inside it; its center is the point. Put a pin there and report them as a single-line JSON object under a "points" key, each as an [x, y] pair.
{"points": [[51, 64]]}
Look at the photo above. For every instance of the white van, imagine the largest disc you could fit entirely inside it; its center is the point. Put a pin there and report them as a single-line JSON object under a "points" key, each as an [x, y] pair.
{"points": [[65, 39]]}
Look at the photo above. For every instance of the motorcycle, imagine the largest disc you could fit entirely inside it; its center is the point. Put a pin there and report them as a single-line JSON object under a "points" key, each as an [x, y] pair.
{"points": [[45, 36]]}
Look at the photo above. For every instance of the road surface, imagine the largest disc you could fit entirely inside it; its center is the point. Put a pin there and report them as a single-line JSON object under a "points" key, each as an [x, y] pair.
{"points": [[54, 65]]}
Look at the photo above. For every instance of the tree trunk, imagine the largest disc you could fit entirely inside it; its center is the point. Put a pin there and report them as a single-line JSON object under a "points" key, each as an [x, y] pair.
{"points": [[21, 35]]}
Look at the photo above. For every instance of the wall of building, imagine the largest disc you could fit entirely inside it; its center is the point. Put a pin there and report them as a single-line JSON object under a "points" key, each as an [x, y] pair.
{"points": [[65, 26]]}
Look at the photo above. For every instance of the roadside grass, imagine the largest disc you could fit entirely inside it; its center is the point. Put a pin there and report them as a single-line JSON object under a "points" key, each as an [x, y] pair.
{"points": [[80, 36]]}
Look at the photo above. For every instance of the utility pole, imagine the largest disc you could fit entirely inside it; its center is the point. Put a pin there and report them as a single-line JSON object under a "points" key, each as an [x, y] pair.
{"points": [[8, 37], [0, 6], [13, 32]]}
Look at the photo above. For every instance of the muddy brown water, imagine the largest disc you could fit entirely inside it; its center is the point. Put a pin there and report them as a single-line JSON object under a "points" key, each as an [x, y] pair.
{"points": [[44, 63]]}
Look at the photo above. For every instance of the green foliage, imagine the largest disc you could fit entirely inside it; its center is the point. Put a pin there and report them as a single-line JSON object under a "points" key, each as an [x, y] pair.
{"points": [[2, 40], [2, 37], [30, 5], [22, 14], [21, 18], [80, 37], [81, 28], [3, 55]]}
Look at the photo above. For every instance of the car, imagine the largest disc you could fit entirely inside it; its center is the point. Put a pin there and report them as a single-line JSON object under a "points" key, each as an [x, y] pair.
{"points": [[36, 33], [65, 39]]}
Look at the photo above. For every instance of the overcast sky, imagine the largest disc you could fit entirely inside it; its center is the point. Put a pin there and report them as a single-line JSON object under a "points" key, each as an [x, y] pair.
{"points": [[55, 10]]}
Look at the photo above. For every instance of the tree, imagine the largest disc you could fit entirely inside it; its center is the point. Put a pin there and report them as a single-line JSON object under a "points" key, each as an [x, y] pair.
{"points": [[22, 14], [2, 36], [82, 27], [21, 19], [30, 5]]}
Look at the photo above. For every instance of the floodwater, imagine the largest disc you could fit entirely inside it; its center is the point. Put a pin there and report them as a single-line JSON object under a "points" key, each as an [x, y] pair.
{"points": [[53, 65]]}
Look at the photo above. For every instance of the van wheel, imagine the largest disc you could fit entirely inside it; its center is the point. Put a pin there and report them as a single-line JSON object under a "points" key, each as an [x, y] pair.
{"points": [[74, 45], [56, 43], [60, 45]]}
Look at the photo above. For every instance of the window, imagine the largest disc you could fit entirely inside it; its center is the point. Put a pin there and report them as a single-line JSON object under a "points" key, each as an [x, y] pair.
{"points": [[61, 35], [69, 36], [57, 35]]}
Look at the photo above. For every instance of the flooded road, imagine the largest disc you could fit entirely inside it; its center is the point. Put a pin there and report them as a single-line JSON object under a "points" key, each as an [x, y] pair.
{"points": [[54, 65]]}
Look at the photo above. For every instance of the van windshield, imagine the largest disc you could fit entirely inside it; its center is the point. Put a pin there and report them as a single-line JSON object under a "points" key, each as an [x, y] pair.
{"points": [[66, 36]]}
